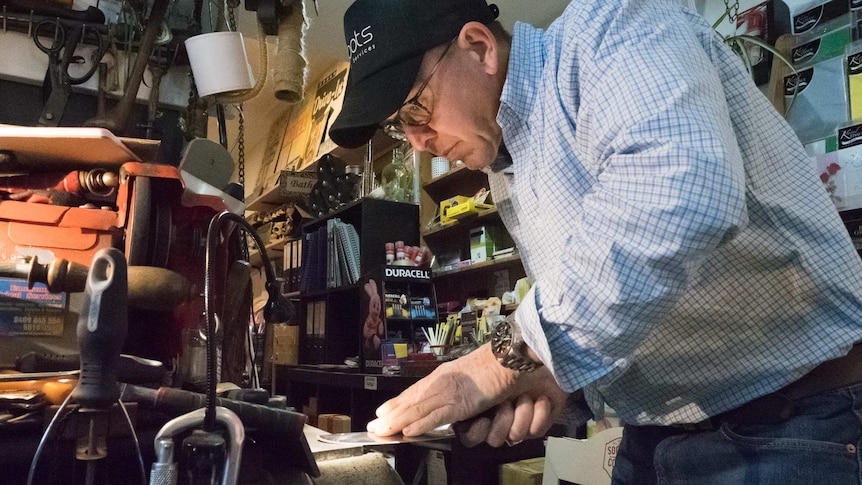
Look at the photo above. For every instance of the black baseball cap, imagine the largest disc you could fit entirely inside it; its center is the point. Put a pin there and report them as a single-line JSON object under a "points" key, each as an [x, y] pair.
{"points": [[386, 40]]}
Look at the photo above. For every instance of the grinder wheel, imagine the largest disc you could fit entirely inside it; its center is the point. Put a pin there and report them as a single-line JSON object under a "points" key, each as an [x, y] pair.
{"points": [[150, 227]]}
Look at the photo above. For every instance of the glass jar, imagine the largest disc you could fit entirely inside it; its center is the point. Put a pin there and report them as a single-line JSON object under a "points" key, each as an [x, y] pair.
{"points": [[397, 179]]}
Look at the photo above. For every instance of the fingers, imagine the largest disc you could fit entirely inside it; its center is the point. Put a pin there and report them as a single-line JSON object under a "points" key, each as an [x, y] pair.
{"points": [[413, 412], [543, 417], [451, 393], [476, 433], [522, 419], [501, 424], [517, 421]]}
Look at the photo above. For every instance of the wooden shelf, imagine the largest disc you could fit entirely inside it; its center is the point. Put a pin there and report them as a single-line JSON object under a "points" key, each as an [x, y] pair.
{"points": [[276, 246], [458, 181], [488, 215], [268, 199], [381, 144], [483, 266]]}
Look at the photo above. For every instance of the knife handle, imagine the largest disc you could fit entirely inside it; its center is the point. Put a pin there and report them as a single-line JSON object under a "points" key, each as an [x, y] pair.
{"points": [[462, 427]]}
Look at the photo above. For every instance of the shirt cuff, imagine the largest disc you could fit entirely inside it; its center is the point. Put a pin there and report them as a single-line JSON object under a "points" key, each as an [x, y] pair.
{"points": [[527, 318]]}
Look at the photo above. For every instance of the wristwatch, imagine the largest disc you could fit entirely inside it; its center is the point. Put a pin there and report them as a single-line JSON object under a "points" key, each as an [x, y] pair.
{"points": [[510, 349]]}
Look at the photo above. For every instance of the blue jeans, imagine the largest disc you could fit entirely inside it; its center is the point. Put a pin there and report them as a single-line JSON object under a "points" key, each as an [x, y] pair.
{"points": [[818, 445]]}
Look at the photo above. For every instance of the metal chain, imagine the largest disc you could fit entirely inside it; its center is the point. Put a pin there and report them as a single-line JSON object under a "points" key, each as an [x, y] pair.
{"points": [[231, 22], [732, 10], [231, 17], [241, 147]]}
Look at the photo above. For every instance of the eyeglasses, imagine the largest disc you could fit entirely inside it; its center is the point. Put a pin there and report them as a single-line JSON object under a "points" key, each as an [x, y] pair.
{"points": [[413, 112]]}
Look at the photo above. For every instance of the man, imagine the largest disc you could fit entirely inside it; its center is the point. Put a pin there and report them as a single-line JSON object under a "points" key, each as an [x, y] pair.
{"points": [[688, 268]]}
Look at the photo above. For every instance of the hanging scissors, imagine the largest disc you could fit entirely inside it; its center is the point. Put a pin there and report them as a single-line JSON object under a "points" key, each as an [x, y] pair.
{"points": [[65, 37]]}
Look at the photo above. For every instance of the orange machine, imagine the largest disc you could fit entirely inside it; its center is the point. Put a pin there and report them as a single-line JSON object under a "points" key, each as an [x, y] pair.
{"points": [[70, 210]]}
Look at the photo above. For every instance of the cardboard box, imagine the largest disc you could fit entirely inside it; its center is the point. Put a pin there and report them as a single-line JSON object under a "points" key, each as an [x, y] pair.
{"points": [[483, 242], [386, 314], [334, 423], [524, 472], [586, 462], [458, 207], [285, 344], [800, 16], [436, 466]]}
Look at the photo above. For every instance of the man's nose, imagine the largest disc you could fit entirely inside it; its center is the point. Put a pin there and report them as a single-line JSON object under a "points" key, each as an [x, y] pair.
{"points": [[418, 136]]}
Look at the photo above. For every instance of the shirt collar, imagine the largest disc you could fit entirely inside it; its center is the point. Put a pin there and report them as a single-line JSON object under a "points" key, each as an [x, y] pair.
{"points": [[526, 60], [503, 160]]}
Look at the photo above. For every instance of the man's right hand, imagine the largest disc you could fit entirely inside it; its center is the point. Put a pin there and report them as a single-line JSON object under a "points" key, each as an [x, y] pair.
{"points": [[465, 387], [512, 421]]}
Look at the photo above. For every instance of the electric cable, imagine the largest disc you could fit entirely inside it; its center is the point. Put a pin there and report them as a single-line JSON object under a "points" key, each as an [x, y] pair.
{"points": [[273, 308]]}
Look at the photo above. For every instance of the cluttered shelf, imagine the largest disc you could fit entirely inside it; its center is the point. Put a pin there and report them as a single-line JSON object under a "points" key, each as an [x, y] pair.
{"points": [[254, 257], [494, 263], [273, 196], [471, 221]]}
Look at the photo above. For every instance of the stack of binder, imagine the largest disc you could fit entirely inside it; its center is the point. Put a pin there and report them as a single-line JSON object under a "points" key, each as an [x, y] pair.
{"points": [[330, 257], [343, 254], [292, 265]]}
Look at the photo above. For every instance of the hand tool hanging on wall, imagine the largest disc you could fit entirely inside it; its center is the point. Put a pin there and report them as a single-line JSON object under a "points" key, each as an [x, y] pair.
{"points": [[157, 68], [65, 38], [91, 14], [115, 120]]}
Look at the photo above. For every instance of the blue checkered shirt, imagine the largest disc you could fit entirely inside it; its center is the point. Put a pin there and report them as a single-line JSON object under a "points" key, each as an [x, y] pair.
{"points": [[685, 257]]}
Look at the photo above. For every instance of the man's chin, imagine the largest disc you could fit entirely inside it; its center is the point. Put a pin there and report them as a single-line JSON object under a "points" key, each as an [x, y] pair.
{"points": [[477, 165]]}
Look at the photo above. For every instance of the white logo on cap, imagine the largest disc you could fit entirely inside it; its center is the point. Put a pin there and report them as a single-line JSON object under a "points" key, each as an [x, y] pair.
{"points": [[360, 44]]}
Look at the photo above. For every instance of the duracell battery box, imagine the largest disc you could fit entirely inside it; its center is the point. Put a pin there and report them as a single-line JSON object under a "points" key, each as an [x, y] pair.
{"points": [[395, 302]]}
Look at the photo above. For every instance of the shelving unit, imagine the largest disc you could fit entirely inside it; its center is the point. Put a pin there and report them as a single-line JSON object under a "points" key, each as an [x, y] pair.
{"points": [[495, 264], [482, 279], [271, 197], [332, 318]]}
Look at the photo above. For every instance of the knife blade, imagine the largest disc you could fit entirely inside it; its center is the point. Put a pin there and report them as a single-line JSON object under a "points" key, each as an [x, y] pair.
{"points": [[368, 438]]}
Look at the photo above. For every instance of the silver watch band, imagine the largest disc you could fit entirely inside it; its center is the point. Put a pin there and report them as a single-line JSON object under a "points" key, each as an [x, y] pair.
{"points": [[509, 347]]}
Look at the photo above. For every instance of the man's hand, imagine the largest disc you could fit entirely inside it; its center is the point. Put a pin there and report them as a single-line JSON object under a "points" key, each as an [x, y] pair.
{"points": [[512, 422], [463, 388]]}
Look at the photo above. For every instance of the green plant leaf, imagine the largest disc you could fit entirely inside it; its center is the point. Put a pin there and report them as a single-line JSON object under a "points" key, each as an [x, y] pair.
{"points": [[720, 20], [737, 43]]}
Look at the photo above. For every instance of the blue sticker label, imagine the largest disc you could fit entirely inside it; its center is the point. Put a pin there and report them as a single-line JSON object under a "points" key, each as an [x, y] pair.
{"points": [[30, 311]]}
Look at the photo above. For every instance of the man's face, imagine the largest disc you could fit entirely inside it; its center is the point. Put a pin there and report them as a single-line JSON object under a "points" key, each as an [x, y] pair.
{"points": [[463, 102]]}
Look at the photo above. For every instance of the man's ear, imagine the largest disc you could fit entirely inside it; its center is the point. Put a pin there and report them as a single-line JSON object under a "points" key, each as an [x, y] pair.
{"points": [[479, 41]]}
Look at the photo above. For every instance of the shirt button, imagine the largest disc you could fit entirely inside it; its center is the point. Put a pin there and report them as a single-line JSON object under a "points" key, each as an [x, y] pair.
{"points": [[607, 361], [851, 448]]}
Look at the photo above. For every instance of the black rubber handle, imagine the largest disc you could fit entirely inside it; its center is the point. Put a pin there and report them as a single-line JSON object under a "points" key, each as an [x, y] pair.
{"points": [[285, 427], [177, 401], [102, 330]]}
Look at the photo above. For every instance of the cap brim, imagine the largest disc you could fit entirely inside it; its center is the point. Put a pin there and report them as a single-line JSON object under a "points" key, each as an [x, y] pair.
{"points": [[371, 100]]}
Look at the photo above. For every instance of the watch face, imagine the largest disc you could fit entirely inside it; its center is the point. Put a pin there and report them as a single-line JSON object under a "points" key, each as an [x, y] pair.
{"points": [[501, 340]]}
